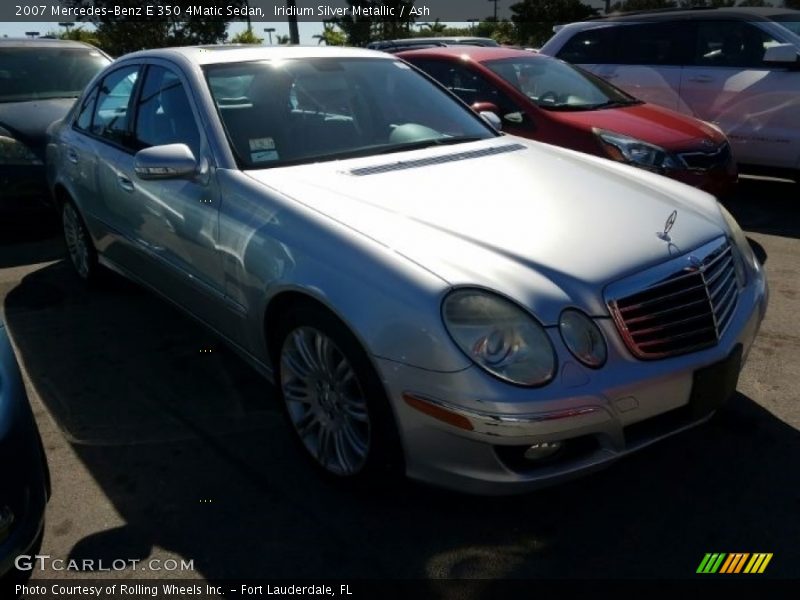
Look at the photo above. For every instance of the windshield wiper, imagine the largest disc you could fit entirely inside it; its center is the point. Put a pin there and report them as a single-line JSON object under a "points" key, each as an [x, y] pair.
{"points": [[428, 143]]}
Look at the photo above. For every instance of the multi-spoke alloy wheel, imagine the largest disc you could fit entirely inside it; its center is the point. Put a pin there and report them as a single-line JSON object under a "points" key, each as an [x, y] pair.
{"points": [[81, 252], [325, 401]]}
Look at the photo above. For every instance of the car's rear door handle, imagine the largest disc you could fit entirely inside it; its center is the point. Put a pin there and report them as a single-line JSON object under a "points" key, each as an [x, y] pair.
{"points": [[701, 78], [609, 75], [125, 183], [72, 156]]}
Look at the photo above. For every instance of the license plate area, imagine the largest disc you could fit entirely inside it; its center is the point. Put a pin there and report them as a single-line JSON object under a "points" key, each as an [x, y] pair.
{"points": [[714, 384]]}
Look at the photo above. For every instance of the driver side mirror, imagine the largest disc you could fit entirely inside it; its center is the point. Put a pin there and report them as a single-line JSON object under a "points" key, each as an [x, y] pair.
{"points": [[171, 161], [489, 111], [782, 54]]}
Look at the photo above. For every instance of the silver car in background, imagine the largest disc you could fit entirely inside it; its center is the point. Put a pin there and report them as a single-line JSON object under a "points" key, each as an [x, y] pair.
{"points": [[484, 312]]}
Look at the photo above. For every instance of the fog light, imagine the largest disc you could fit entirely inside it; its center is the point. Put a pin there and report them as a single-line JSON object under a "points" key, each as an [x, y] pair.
{"points": [[6, 520], [542, 450]]}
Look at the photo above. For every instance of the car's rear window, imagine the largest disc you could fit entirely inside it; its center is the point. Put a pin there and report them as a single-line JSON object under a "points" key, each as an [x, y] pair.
{"points": [[38, 73]]}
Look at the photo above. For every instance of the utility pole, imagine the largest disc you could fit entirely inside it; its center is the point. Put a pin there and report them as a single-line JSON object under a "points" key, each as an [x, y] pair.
{"points": [[268, 31], [495, 8], [294, 35]]}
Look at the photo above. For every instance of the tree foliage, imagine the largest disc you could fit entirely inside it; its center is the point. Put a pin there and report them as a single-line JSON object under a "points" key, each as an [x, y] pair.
{"points": [[535, 19], [361, 30], [629, 5], [79, 34], [120, 35], [331, 36], [246, 37], [792, 4]]}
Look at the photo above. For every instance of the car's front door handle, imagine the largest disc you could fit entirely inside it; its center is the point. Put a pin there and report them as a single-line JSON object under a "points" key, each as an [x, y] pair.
{"points": [[72, 156], [125, 183], [609, 75], [701, 79]]}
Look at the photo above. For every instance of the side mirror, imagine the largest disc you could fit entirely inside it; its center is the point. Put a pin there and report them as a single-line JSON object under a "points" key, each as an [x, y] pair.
{"points": [[781, 54], [480, 107], [171, 161], [492, 119]]}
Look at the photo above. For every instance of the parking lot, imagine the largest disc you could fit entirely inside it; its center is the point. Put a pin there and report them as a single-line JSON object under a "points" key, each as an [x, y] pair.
{"points": [[163, 444]]}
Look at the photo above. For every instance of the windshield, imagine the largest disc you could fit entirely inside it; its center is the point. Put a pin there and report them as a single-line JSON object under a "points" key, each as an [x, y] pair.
{"points": [[37, 73], [790, 21], [296, 111], [554, 85]]}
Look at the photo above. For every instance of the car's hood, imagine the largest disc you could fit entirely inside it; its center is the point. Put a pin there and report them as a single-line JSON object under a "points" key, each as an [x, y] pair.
{"points": [[647, 122], [28, 121], [544, 225]]}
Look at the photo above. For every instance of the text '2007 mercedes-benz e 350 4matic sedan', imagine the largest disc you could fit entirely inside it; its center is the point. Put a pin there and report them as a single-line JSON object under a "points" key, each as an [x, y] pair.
{"points": [[485, 312]]}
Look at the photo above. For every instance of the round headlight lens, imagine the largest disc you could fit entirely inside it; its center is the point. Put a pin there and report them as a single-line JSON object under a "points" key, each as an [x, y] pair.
{"points": [[583, 338], [499, 337], [745, 253]]}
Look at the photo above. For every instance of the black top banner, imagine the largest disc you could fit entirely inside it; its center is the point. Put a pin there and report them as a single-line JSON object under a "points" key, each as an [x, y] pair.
{"points": [[255, 10]]}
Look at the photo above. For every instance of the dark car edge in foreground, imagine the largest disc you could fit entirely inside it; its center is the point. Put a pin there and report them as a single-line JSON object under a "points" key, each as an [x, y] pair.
{"points": [[25, 477]]}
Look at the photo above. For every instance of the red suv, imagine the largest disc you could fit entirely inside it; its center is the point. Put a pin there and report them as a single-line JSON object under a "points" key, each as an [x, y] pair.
{"points": [[548, 100]]}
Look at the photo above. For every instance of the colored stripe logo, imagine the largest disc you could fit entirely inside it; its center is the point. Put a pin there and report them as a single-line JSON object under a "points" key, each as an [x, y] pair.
{"points": [[736, 562]]}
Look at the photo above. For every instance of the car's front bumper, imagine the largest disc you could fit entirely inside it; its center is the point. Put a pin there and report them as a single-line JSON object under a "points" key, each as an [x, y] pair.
{"points": [[24, 483], [23, 189], [599, 415]]}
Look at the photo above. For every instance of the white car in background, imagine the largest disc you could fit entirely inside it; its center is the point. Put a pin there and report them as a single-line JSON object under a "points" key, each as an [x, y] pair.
{"points": [[738, 68]]}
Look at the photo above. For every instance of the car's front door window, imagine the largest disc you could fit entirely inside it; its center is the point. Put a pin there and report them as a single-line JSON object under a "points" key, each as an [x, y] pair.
{"points": [[164, 114], [111, 119]]}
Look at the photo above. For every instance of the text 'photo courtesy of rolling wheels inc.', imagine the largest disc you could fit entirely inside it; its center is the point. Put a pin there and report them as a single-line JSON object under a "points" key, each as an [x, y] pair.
{"points": [[447, 299]]}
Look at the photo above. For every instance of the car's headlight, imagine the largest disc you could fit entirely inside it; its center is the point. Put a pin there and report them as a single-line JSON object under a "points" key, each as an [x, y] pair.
{"points": [[499, 337], [740, 248], [583, 338], [14, 152], [623, 148]]}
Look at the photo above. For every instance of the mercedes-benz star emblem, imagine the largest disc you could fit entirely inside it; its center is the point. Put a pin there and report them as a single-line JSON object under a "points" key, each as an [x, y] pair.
{"points": [[664, 235]]}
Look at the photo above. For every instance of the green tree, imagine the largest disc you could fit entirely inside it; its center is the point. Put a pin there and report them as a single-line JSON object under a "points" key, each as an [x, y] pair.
{"points": [[283, 40], [502, 32], [331, 36], [792, 4], [752, 3], [246, 37], [79, 34], [361, 30], [535, 19], [120, 35], [436, 28], [629, 5]]}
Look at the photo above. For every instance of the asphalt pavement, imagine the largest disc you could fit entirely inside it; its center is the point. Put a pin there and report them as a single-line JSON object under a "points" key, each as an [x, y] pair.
{"points": [[163, 445]]}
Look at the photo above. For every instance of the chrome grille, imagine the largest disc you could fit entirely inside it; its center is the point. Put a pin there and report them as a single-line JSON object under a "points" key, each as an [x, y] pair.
{"points": [[705, 161], [678, 307]]}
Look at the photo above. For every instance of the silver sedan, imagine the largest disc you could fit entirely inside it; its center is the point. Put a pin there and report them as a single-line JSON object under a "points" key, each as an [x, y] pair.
{"points": [[482, 312]]}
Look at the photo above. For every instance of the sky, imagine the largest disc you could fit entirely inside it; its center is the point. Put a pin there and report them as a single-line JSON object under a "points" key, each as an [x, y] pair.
{"points": [[306, 30]]}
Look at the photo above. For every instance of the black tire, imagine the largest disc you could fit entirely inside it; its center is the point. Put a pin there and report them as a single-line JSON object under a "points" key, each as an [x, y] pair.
{"points": [[80, 248], [383, 455]]}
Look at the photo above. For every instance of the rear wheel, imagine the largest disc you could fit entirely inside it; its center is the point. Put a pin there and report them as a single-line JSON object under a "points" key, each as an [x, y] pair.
{"points": [[81, 251], [333, 398]]}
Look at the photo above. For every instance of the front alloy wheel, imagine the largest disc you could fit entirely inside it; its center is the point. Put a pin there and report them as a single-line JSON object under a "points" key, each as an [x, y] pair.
{"points": [[79, 246], [325, 401]]}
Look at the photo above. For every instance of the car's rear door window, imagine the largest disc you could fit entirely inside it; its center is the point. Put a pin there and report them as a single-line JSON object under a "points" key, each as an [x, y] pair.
{"points": [[658, 44]]}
